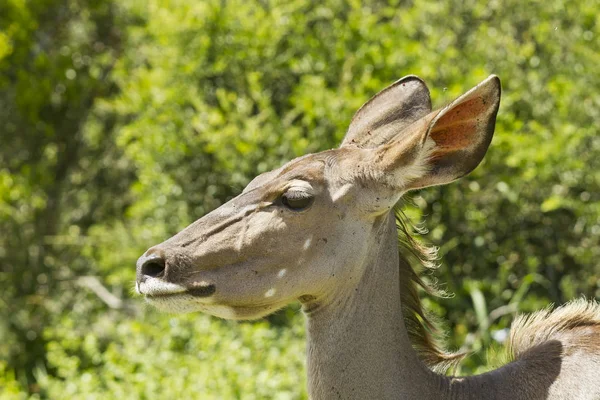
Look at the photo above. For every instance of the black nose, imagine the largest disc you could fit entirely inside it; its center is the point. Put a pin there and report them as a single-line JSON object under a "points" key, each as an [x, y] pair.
{"points": [[150, 265]]}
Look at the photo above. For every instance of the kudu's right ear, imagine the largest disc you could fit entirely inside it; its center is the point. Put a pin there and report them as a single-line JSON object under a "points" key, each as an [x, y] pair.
{"points": [[388, 113]]}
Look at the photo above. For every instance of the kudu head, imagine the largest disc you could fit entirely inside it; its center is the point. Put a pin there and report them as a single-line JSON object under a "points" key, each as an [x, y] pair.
{"points": [[302, 231]]}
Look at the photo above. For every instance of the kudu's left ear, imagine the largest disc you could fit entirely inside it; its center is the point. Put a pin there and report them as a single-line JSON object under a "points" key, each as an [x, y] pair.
{"points": [[388, 112], [445, 144]]}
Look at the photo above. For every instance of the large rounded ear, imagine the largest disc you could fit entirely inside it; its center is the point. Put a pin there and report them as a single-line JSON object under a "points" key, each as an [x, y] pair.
{"points": [[388, 113], [446, 144]]}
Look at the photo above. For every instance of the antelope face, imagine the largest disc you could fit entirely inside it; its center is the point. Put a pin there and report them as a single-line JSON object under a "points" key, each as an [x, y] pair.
{"points": [[284, 238], [303, 231]]}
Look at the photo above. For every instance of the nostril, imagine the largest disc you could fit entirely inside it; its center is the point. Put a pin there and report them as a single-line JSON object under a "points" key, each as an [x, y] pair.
{"points": [[153, 267]]}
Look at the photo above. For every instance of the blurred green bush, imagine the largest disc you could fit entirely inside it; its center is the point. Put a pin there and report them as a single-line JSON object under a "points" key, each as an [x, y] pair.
{"points": [[123, 121]]}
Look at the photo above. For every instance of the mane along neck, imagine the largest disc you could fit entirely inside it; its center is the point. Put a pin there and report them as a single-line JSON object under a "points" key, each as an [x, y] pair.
{"points": [[421, 326]]}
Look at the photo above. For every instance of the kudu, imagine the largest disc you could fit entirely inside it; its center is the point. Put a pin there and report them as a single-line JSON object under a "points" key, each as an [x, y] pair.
{"points": [[322, 230]]}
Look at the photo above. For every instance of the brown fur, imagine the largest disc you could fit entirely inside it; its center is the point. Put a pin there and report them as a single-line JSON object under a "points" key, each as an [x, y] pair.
{"points": [[576, 324]]}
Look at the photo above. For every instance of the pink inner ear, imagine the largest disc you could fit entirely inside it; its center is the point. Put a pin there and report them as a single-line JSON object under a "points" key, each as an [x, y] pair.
{"points": [[458, 128]]}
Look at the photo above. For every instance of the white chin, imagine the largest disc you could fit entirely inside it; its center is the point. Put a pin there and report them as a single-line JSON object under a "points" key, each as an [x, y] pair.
{"points": [[177, 303], [185, 303]]}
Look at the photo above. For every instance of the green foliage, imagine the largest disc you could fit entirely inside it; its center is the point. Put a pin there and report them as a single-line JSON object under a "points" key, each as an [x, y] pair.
{"points": [[122, 122], [192, 356]]}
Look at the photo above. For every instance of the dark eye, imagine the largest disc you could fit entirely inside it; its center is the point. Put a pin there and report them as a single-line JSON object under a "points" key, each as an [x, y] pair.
{"points": [[296, 200]]}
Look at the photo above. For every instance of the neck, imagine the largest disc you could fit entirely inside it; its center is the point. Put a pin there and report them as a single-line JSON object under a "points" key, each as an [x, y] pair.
{"points": [[358, 347]]}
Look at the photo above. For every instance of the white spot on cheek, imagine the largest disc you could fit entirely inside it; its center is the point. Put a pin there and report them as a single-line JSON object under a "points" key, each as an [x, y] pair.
{"points": [[307, 243], [341, 192], [137, 287], [282, 273], [270, 292]]}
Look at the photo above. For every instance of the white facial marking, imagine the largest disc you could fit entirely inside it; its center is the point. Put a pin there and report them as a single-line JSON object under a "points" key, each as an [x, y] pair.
{"points": [[270, 292], [340, 192], [307, 244], [282, 273], [157, 287]]}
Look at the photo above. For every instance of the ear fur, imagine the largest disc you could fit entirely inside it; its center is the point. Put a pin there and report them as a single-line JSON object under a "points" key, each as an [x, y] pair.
{"points": [[446, 144], [388, 113]]}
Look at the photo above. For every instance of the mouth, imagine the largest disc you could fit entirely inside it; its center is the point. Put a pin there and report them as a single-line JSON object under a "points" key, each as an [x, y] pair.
{"points": [[203, 290], [198, 296], [154, 288]]}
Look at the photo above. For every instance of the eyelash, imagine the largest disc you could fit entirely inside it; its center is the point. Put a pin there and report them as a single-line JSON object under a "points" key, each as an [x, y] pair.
{"points": [[296, 201]]}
